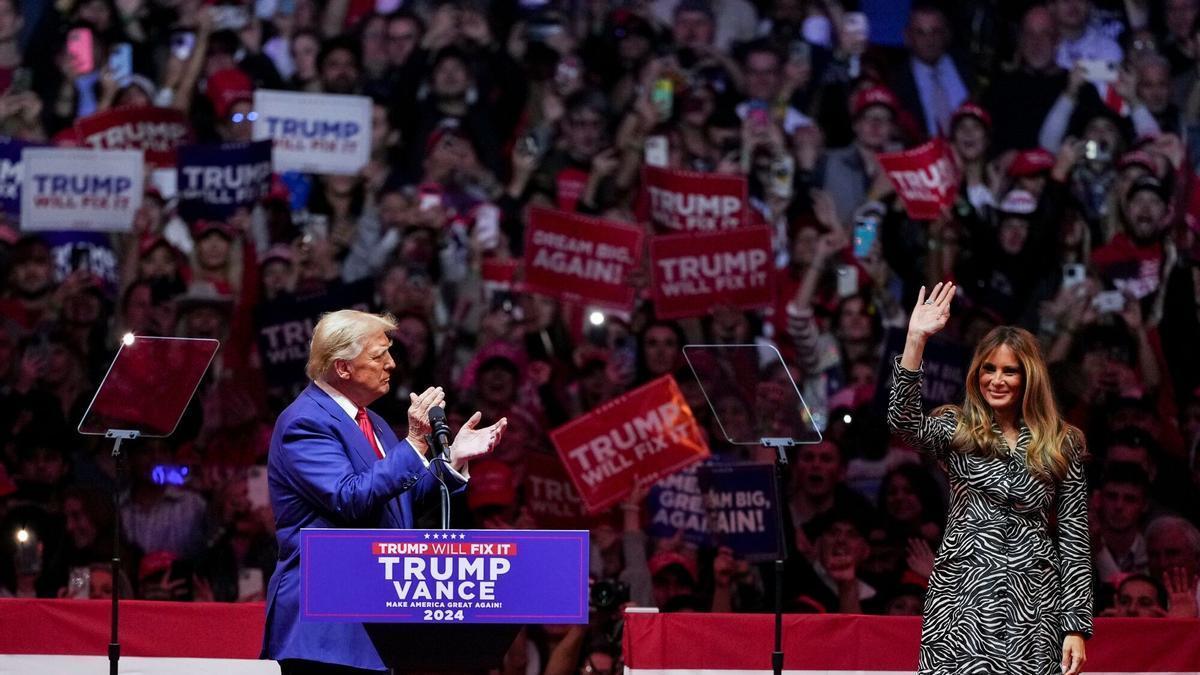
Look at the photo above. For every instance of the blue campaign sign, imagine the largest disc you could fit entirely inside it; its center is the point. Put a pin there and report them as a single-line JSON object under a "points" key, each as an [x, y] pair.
{"points": [[742, 508], [11, 173], [214, 180], [944, 363], [677, 503], [444, 576]]}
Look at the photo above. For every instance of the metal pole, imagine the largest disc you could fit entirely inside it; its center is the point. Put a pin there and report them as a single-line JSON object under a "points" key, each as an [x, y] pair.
{"points": [[114, 645]]}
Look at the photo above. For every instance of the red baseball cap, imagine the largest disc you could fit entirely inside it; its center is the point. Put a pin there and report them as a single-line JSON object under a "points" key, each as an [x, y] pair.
{"points": [[975, 110], [155, 562], [1030, 163], [203, 227], [1138, 158], [664, 559], [226, 87], [491, 485], [876, 95], [152, 242], [447, 127], [278, 252]]}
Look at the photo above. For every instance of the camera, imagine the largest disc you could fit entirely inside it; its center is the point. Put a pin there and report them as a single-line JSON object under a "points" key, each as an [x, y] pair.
{"points": [[1095, 151], [609, 594]]}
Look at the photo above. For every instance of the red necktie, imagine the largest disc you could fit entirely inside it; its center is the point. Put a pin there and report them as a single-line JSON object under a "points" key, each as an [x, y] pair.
{"points": [[364, 423]]}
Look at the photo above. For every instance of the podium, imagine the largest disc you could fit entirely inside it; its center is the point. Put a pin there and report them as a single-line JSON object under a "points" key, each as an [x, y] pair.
{"points": [[407, 647], [422, 593]]}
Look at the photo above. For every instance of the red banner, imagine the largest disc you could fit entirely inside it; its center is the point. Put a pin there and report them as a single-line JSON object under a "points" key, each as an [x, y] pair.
{"points": [[685, 201], [924, 177], [157, 131], [581, 259], [552, 499], [692, 273], [856, 644], [647, 433]]}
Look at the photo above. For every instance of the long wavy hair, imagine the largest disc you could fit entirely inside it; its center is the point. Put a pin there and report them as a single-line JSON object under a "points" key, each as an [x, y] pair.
{"points": [[1052, 440]]}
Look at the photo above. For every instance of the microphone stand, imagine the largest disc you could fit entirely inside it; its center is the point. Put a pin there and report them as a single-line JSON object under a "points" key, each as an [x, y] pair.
{"points": [[120, 458], [780, 445], [441, 458]]}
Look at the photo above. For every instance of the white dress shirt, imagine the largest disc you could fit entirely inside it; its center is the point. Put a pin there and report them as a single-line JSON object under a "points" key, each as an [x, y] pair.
{"points": [[954, 92]]}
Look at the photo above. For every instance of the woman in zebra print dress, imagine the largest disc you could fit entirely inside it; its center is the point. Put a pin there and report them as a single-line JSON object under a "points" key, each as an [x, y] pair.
{"points": [[1005, 596]]}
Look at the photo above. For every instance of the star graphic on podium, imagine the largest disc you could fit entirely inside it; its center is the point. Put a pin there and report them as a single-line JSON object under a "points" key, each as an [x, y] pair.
{"points": [[426, 535]]}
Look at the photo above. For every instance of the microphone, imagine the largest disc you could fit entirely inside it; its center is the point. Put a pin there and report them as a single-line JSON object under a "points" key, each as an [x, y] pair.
{"points": [[441, 430]]}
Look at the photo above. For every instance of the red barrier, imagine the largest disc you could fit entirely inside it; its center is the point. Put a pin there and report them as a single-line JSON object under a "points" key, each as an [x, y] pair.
{"points": [[169, 629], [871, 644]]}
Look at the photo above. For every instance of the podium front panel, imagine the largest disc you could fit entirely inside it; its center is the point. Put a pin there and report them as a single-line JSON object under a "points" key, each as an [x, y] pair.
{"points": [[444, 576]]}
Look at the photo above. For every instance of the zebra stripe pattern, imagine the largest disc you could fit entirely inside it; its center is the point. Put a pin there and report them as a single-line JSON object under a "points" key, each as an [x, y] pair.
{"points": [[1005, 590]]}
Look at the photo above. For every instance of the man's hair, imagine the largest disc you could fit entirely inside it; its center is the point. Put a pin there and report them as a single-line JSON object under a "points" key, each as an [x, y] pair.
{"points": [[343, 43], [759, 46], [341, 336], [587, 99], [1126, 473], [930, 9], [1160, 593], [1133, 437], [1191, 535], [409, 16]]}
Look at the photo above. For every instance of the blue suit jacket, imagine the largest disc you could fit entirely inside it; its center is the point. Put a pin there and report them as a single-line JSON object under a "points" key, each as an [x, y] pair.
{"points": [[323, 473]]}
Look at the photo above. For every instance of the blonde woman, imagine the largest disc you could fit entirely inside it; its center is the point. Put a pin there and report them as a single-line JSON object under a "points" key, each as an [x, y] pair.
{"points": [[1009, 593]]}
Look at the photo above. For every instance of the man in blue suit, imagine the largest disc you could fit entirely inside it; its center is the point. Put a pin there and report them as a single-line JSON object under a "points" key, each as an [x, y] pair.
{"points": [[333, 463]]}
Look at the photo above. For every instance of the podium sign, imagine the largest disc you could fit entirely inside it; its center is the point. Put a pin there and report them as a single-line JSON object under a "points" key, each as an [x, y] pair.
{"points": [[444, 576]]}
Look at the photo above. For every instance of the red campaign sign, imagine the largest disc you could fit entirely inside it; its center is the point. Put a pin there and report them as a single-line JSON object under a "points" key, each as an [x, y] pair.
{"points": [[686, 201], [552, 499], [645, 434], [692, 273], [581, 259], [569, 185], [499, 274], [157, 131], [925, 178]]}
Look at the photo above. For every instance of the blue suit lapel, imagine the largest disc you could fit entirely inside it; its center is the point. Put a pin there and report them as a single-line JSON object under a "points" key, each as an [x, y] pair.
{"points": [[355, 439]]}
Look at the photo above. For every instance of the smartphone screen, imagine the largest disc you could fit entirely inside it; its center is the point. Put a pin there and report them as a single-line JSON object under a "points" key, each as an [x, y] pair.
{"points": [[847, 280], [759, 116], [865, 231], [120, 61], [1073, 275], [657, 151], [182, 44], [663, 96], [487, 226], [250, 584], [79, 50]]}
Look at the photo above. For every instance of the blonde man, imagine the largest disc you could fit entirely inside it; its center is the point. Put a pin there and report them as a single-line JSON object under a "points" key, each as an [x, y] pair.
{"points": [[333, 463]]}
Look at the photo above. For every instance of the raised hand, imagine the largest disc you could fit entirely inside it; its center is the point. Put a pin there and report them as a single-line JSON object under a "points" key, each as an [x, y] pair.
{"points": [[418, 415], [931, 313], [920, 557], [472, 442], [1181, 593]]}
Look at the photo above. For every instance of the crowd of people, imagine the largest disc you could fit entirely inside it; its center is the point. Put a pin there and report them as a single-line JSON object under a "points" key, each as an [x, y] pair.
{"points": [[1074, 124]]}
